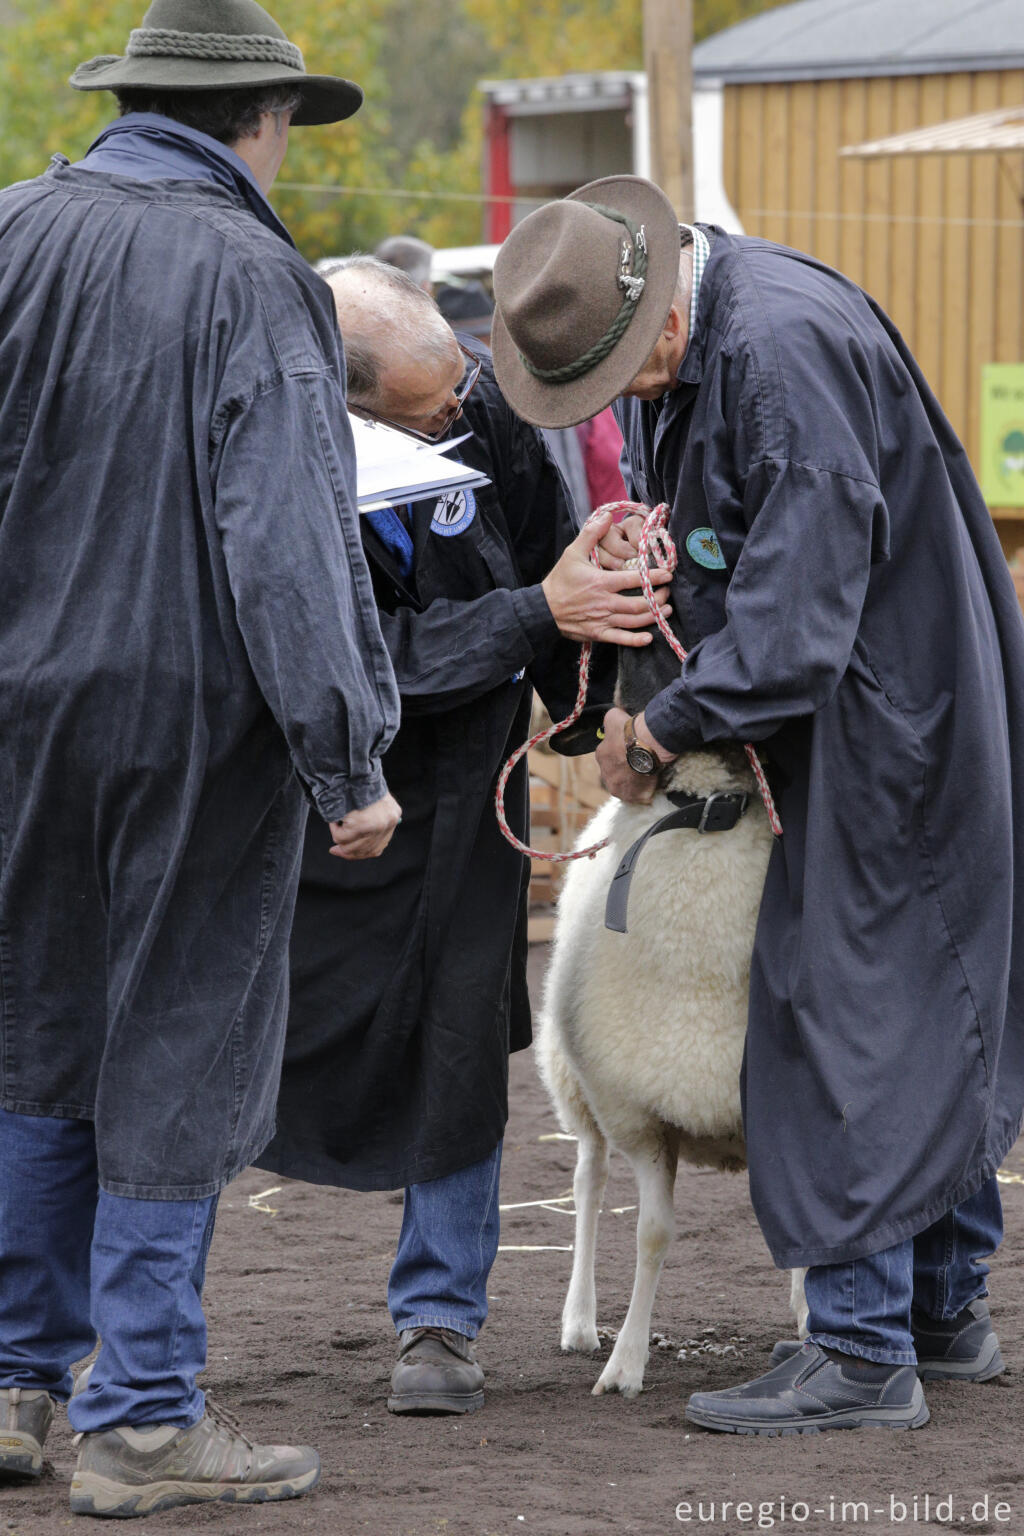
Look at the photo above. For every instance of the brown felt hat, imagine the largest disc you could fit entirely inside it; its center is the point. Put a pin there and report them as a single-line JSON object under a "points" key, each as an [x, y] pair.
{"points": [[583, 288], [217, 45]]}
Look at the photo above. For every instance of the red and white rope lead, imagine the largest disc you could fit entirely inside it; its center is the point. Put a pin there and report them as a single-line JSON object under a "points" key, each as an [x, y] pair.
{"points": [[553, 730], [655, 542], [654, 537]]}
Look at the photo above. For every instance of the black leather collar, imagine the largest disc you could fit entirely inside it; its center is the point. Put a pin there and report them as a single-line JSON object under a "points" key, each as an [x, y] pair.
{"points": [[711, 813]]}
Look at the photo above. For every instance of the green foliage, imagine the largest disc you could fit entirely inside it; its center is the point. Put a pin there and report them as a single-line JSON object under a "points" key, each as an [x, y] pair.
{"points": [[341, 39], [39, 114], [418, 64], [418, 61], [555, 37], [431, 55], [434, 54], [711, 16]]}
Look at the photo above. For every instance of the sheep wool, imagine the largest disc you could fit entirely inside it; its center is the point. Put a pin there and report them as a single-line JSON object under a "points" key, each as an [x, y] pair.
{"points": [[641, 1034]]}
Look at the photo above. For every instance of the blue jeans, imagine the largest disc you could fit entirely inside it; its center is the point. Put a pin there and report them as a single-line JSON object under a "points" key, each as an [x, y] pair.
{"points": [[863, 1308], [447, 1246], [77, 1262]]}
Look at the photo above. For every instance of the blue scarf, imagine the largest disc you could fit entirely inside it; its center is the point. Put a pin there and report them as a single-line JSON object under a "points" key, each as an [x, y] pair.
{"points": [[149, 147], [389, 527]]}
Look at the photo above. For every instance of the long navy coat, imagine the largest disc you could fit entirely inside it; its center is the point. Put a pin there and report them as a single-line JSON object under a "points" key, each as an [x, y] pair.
{"points": [[409, 976], [187, 628], [847, 604]]}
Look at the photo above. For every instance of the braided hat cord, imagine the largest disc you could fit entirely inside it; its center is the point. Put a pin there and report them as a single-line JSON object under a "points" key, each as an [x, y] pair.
{"points": [[634, 286], [240, 48]]}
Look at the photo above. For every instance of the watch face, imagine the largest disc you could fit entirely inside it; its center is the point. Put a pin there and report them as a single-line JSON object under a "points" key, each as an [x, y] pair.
{"points": [[640, 759]]}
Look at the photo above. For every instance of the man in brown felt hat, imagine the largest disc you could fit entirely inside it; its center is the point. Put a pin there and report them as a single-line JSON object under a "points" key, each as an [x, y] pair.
{"points": [[188, 640], [845, 604]]}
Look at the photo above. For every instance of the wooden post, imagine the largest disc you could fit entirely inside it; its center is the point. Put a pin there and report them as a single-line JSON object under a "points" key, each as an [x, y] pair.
{"points": [[668, 43]]}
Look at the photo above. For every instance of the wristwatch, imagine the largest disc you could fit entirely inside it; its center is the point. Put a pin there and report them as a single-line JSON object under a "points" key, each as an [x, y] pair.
{"points": [[640, 758]]}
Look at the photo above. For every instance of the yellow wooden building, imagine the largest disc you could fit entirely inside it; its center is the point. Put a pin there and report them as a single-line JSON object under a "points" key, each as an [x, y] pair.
{"points": [[936, 238]]}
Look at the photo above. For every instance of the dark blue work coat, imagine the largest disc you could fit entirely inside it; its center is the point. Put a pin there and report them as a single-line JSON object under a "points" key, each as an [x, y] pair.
{"points": [[846, 603], [409, 974], [187, 627]]}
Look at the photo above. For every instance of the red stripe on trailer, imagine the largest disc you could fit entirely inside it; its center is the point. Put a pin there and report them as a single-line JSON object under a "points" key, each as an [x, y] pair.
{"points": [[498, 217]]}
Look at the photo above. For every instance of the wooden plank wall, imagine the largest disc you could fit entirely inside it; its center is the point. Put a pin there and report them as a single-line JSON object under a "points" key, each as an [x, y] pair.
{"points": [[938, 240], [564, 794]]}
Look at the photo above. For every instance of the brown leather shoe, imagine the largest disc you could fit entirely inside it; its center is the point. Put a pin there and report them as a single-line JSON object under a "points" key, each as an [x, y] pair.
{"points": [[436, 1373]]}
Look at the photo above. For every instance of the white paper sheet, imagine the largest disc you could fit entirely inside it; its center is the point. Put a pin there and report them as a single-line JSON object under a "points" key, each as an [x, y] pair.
{"points": [[392, 468]]}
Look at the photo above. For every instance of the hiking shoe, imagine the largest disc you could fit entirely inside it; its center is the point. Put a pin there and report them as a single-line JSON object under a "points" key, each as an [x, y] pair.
{"points": [[963, 1348], [25, 1418], [133, 1471], [436, 1373], [810, 1392]]}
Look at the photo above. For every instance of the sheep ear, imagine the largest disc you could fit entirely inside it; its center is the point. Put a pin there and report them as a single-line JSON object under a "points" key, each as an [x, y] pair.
{"points": [[581, 736]]}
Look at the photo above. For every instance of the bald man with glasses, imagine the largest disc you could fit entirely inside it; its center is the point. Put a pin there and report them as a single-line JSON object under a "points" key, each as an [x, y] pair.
{"points": [[409, 985]]}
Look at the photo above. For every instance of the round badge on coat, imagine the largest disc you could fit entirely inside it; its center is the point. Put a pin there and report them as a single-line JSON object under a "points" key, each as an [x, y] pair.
{"points": [[453, 513], [702, 545]]}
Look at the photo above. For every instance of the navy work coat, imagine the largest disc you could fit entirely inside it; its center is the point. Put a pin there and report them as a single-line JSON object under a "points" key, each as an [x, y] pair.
{"points": [[409, 974], [187, 628], [846, 603]]}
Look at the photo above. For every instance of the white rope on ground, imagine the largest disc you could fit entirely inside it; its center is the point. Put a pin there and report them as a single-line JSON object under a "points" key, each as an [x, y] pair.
{"points": [[534, 1248]]}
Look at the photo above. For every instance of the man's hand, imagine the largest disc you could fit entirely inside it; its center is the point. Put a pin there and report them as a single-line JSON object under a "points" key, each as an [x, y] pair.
{"points": [[366, 833], [588, 604], [617, 776], [621, 543]]}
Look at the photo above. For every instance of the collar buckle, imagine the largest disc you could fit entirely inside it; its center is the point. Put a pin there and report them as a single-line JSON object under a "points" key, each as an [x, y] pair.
{"points": [[718, 797]]}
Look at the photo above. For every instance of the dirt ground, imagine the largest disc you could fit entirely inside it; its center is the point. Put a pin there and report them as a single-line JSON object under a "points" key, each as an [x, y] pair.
{"points": [[301, 1348]]}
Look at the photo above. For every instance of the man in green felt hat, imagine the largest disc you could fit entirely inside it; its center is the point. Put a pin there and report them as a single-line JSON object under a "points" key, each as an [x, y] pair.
{"points": [[188, 641]]}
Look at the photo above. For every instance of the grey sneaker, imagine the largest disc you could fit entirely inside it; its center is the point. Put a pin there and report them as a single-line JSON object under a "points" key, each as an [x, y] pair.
{"points": [[25, 1418], [437, 1372], [124, 1471]]}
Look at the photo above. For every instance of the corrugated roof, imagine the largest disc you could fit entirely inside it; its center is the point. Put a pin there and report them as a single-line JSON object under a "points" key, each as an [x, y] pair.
{"points": [[985, 132], [822, 39]]}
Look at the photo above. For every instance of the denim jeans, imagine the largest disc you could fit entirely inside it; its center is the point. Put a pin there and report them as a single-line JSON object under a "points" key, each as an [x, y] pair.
{"points": [[447, 1246], [77, 1262], [863, 1307]]}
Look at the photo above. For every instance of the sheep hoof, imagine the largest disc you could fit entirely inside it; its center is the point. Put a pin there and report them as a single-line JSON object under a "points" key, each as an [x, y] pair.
{"points": [[625, 1388], [583, 1342]]}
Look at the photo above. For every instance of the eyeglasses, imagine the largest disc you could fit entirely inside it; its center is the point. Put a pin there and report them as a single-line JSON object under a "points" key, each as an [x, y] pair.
{"points": [[462, 392]]}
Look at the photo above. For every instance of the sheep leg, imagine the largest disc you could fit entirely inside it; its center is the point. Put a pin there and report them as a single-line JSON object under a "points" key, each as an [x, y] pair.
{"points": [[579, 1315], [798, 1301], [655, 1177]]}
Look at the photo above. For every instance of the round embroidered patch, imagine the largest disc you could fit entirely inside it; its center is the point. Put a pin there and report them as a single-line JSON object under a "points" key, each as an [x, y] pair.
{"points": [[702, 546], [453, 514]]}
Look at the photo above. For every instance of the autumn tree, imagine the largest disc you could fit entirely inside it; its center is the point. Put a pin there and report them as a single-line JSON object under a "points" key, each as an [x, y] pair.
{"points": [[40, 115], [345, 186]]}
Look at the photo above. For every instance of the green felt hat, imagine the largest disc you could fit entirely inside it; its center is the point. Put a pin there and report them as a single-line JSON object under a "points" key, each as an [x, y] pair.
{"points": [[216, 45]]}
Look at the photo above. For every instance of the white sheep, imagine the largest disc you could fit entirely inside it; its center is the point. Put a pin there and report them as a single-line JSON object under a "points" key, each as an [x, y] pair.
{"points": [[641, 1033]]}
